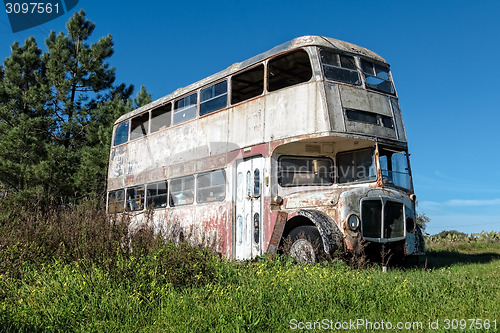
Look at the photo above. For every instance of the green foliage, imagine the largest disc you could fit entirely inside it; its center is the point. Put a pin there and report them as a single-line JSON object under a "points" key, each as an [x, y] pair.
{"points": [[57, 109], [73, 270], [451, 236], [422, 221]]}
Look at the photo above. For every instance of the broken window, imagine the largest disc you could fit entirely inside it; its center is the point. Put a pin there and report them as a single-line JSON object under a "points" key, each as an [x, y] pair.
{"points": [[369, 118], [288, 70], [355, 166], [121, 134], [213, 98], [115, 201], [185, 108], [248, 84], [135, 198], [377, 76], [139, 126], [161, 117], [339, 67], [157, 194], [395, 168], [182, 191], [299, 171], [211, 186]]}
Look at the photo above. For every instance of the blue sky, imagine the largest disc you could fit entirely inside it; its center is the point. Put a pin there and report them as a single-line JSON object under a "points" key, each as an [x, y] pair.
{"points": [[443, 56]]}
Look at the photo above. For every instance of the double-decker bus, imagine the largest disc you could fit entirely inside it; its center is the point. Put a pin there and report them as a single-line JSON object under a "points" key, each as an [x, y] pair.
{"points": [[303, 142]]}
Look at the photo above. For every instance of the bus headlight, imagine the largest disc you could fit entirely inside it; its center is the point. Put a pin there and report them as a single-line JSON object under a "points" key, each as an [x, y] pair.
{"points": [[353, 221], [411, 225]]}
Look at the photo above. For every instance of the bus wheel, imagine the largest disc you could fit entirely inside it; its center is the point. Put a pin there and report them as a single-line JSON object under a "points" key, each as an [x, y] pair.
{"points": [[305, 244]]}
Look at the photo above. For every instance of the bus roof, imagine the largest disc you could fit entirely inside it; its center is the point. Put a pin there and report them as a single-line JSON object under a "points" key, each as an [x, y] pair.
{"points": [[295, 43]]}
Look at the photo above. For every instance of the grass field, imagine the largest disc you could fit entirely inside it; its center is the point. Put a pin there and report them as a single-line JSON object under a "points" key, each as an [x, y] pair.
{"points": [[164, 288]]}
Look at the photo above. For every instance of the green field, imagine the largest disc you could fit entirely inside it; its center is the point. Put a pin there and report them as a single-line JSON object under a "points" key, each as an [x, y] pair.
{"points": [[49, 285]]}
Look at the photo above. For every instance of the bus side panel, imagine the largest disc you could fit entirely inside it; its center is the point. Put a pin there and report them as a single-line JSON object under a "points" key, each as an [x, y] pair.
{"points": [[295, 111]]}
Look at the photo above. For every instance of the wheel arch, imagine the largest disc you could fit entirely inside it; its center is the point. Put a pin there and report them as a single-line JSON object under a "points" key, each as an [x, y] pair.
{"points": [[330, 234]]}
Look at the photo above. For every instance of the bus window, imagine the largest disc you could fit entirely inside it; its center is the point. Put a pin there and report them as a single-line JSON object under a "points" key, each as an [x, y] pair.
{"points": [[121, 135], [182, 191], [339, 67], [248, 84], [161, 117], [377, 76], [139, 126], [354, 166], [288, 70], [395, 168], [185, 108], [157, 194], [115, 201], [211, 186], [369, 118], [300, 171], [135, 198], [213, 98]]}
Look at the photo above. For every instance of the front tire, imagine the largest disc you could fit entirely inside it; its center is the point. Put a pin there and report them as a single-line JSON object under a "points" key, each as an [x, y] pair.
{"points": [[305, 244]]}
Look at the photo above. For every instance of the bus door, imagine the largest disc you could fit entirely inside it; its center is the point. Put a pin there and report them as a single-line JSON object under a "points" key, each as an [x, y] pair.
{"points": [[248, 224]]}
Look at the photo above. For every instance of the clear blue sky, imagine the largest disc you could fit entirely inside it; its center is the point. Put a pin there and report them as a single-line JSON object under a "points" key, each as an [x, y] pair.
{"points": [[443, 55]]}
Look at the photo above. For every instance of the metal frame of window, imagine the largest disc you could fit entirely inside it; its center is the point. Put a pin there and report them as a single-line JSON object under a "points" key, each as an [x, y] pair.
{"points": [[213, 97], [339, 66], [200, 188], [337, 165], [298, 157], [151, 198], [187, 105], [373, 73]]}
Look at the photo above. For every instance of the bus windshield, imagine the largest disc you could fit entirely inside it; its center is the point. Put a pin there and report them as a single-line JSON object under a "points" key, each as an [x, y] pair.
{"points": [[395, 168]]}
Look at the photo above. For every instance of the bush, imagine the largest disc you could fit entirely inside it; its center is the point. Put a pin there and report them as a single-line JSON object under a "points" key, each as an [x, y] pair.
{"points": [[85, 234]]}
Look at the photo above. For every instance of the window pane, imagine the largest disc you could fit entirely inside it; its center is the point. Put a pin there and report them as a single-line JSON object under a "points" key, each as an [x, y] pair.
{"points": [[387, 122], [288, 70], [296, 171], [139, 126], [362, 116], [367, 67], [339, 67], [382, 72], [256, 182], [121, 135], [341, 75], [356, 166], [347, 61], [247, 84], [185, 108], [115, 201], [157, 194], [211, 186], [135, 198], [379, 84], [161, 117], [395, 168], [182, 191], [213, 91], [330, 58], [213, 98]]}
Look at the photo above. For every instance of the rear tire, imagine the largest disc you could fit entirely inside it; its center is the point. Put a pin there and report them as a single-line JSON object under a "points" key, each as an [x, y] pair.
{"points": [[305, 244]]}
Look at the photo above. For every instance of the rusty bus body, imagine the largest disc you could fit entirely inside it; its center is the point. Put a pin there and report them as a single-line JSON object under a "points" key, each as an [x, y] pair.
{"points": [[307, 136]]}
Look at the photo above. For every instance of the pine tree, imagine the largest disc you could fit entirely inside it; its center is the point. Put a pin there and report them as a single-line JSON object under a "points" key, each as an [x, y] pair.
{"points": [[79, 79], [57, 110], [25, 123]]}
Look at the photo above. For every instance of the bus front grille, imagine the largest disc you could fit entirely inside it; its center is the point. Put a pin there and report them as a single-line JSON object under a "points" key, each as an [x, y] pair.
{"points": [[382, 219]]}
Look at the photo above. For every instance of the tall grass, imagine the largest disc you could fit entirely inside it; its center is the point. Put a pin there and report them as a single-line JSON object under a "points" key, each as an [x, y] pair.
{"points": [[71, 270]]}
